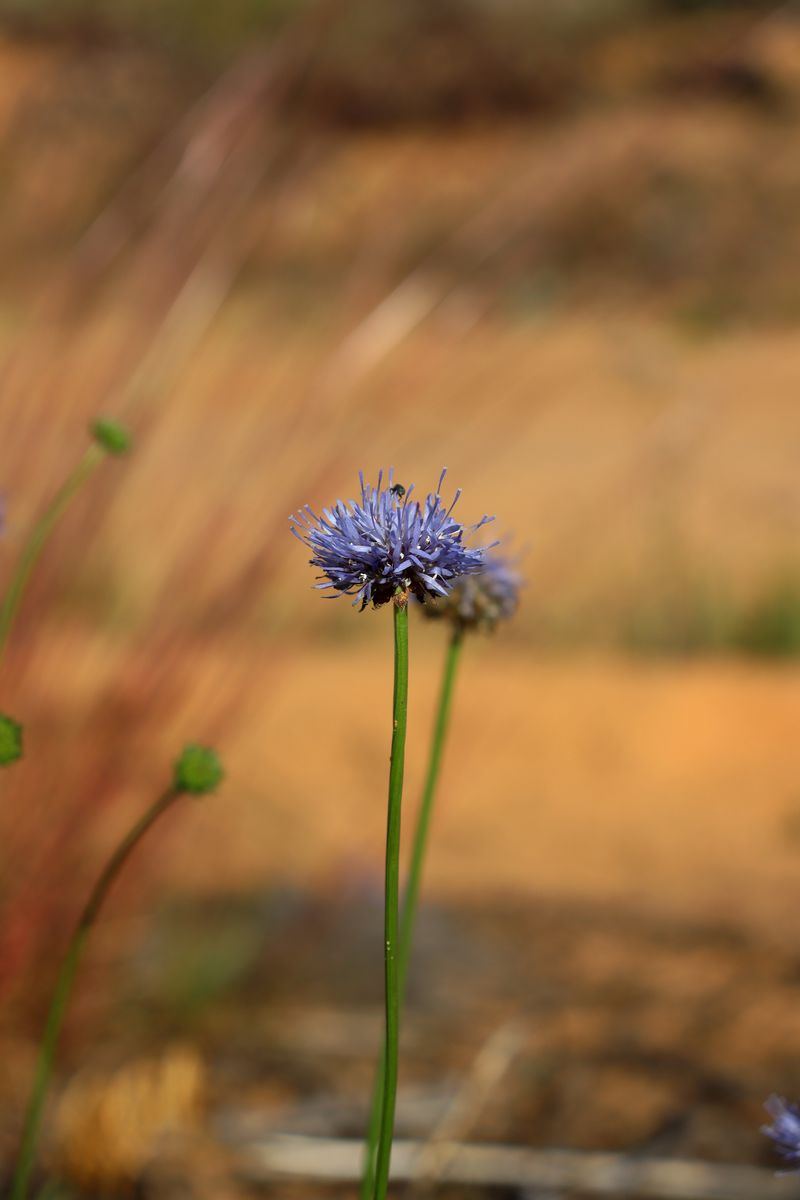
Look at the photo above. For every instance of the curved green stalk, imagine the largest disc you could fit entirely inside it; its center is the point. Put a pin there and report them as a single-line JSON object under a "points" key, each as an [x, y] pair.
{"points": [[38, 537], [392, 903], [63, 988], [411, 893]]}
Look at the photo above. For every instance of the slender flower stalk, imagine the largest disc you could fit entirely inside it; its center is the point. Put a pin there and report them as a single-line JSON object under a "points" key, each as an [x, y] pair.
{"points": [[476, 602], [108, 438], [197, 771], [412, 888], [392, 952], [442, 721]]}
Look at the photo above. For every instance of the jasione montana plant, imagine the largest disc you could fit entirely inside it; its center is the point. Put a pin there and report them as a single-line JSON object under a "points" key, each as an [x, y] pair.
{"points": [[384, 549]]}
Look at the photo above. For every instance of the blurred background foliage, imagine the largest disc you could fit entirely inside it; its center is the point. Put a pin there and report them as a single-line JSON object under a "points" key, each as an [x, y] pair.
{"points": [[214, 31], [593, 205]]}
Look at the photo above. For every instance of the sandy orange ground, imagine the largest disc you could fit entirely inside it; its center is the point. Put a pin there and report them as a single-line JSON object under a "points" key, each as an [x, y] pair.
{"points": [[650, 790], [669, 786]]}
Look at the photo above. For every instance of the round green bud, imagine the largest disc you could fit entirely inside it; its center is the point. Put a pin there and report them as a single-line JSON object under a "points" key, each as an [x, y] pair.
{"points": [[198, 770], [10, 741], [111, 436]]}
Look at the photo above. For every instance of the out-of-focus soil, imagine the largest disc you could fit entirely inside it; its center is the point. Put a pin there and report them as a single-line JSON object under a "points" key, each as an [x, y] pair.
{"points": [[670, 786], [614, 862]]}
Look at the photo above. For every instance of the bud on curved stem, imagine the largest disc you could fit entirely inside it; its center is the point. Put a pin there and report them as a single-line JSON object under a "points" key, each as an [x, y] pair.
{"points": [[108, 438], [74, 954], [39, 534]]}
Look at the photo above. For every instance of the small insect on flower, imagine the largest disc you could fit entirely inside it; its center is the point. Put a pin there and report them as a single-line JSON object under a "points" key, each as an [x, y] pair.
{"points": [[482, 600], [388, 544], [785, 1128]]}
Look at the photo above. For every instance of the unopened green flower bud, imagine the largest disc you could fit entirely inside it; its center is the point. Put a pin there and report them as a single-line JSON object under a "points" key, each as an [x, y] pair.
{"points": [[198, 770], [10, 740], [113, 437]]}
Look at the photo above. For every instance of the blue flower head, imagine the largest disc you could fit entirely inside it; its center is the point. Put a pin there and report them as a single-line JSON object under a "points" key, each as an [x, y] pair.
{"points": [[483, 599], [785, 1128], [387, 543]]}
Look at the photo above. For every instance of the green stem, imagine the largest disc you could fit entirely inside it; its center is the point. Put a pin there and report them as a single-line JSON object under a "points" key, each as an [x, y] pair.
{"points": [[411, 893], [63, 988], [38, 537], [392, 904]]}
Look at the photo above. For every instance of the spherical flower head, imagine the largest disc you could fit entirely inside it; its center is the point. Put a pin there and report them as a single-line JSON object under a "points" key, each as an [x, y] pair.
{"points": [[785, 1128], [10, 740], [388, 544], [198, 770], [482, 600]]}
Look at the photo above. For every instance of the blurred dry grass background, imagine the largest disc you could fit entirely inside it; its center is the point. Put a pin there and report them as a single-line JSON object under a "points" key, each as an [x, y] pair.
{"points": [[553, 247]]}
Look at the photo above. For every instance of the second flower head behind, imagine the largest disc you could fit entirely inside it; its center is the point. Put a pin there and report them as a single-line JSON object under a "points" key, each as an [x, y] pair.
{"points": [[389, 543], [482, 600]]}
